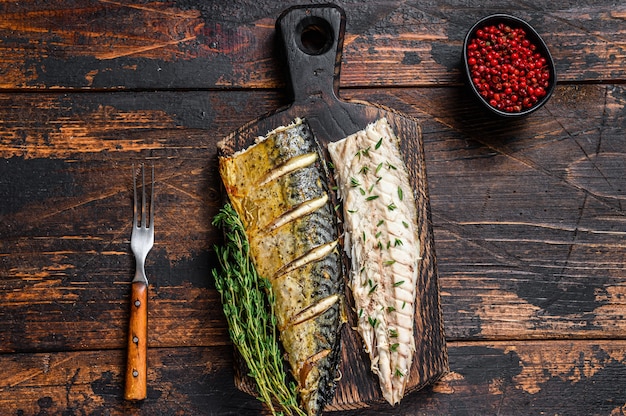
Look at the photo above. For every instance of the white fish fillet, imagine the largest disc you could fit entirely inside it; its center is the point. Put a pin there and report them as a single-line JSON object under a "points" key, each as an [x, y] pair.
{"points": [[382, 242]]}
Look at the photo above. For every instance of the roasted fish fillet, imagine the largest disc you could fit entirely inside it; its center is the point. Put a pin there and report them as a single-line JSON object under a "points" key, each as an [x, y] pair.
{"points": [[382, 242], [278, 186]]}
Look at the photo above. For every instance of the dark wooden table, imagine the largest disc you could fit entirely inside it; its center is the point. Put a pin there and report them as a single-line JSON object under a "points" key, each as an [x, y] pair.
{"points": [[528, 215]]}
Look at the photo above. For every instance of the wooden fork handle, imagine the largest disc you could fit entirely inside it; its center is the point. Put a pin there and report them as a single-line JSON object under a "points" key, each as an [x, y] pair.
{"points": [[137, 363]]}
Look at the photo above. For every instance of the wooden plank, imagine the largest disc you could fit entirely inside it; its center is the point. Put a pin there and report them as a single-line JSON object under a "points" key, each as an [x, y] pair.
{"points": [[508, 268], [184, 380], [556, 377], [192, 44]]}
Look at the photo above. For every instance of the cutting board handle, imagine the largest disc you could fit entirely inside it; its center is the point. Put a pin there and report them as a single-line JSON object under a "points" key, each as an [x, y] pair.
{"points": [[313, 41]]}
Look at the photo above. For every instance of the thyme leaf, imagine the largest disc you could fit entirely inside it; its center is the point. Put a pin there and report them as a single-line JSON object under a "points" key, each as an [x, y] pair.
{"points": [[378, 143], [372, 289]]}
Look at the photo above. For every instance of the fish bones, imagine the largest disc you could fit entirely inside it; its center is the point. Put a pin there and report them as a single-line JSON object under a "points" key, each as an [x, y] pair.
{"points": [[278, 186]]}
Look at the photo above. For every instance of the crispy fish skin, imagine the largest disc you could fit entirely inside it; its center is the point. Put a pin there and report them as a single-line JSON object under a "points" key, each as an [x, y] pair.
{"points": [[278, 186], [381, 239]]}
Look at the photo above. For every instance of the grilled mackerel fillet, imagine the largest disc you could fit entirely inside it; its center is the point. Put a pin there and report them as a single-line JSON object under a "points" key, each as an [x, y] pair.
{"points": [[381, 240], [278, 186]]}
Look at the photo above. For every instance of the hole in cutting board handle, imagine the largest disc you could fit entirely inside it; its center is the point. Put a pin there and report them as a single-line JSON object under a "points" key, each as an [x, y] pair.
{"points": [[314, 35]]}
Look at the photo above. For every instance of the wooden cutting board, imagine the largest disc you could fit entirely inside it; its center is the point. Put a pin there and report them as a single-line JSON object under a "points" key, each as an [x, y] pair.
{"points": [[313, 40]]}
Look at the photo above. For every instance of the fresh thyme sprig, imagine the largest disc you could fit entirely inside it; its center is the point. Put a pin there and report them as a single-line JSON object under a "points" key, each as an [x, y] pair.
{"points": [[248, 304]]}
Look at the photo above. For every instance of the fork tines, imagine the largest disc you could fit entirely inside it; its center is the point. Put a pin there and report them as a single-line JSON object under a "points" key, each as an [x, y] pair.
{"points": [[140, 209]]}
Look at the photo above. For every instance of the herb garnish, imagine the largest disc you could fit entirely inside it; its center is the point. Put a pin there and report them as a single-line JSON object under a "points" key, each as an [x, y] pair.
{"points": [[372, 289], [248, 303]]}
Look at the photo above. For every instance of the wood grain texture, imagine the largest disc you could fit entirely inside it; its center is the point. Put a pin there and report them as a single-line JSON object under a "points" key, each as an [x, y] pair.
{"points": [[136, 44], [58, 272], [512, 378], [135, 384], [528, 216]]}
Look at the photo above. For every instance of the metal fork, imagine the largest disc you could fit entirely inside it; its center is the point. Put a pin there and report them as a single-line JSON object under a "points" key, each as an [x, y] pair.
{"points": [[141, 242]]}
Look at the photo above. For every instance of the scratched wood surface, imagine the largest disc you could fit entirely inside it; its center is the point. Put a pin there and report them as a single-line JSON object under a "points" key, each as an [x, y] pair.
{"points": [[528, 215]]}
